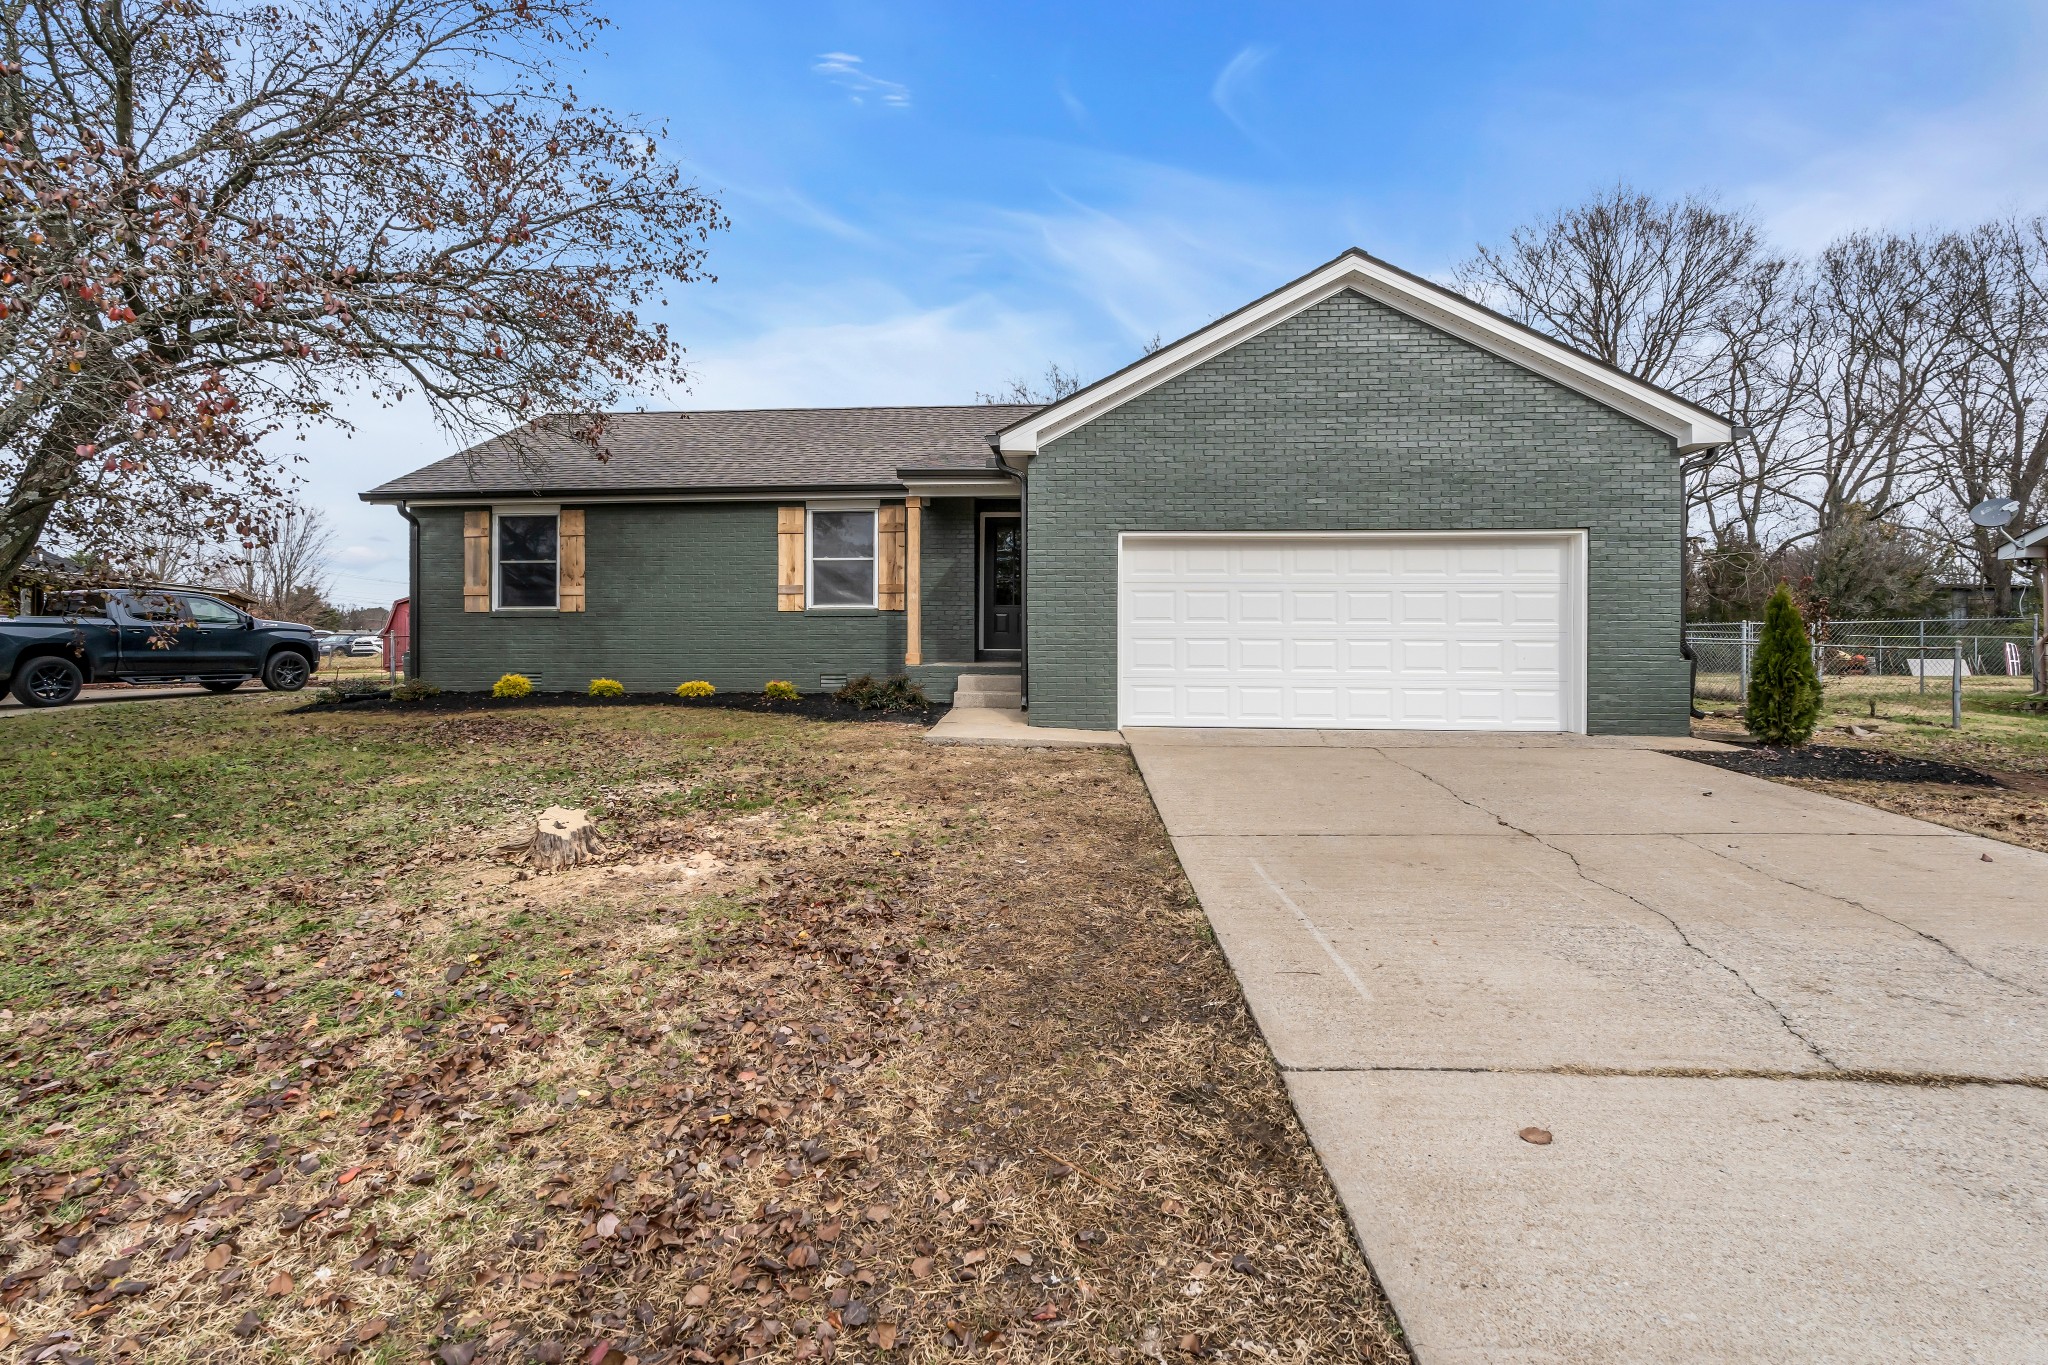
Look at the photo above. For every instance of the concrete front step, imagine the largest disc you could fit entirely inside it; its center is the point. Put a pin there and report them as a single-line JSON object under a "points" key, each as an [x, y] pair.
{"points": [[1001, 691]]}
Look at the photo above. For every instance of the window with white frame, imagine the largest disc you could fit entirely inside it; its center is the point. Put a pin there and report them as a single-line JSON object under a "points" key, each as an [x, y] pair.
{"points": [[842, 557], [527, 550]]}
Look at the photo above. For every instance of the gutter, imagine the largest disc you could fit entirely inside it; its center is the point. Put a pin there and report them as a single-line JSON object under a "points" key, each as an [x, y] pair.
{"points": [[1685, 650], [413, 669]]}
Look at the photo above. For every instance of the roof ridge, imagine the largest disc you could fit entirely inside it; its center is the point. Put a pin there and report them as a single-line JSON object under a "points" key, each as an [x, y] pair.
{"points": [[856, 407]]}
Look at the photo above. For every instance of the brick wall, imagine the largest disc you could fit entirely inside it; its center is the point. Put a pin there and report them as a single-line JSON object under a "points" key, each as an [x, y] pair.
{"points": [[675, 591], [1353, 417]]}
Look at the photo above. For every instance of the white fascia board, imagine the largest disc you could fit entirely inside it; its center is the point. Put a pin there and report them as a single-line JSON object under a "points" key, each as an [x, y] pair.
{"points": [[2032, 545], [1690, 427], [961, 488]]}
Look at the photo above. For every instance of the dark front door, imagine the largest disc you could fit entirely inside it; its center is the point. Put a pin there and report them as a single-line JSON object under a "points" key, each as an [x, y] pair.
{"points": [[1002, 584]]}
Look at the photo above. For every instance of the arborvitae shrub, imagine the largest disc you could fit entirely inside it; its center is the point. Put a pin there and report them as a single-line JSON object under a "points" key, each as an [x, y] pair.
{"points": [[1784, 690]]}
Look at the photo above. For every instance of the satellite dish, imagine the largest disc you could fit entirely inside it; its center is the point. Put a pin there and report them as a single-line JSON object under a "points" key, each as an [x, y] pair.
{"points": [[1995, 512]]}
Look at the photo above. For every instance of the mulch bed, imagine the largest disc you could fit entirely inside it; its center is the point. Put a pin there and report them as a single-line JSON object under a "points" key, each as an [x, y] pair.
{"points": [[812, 706], [1829, 762]]}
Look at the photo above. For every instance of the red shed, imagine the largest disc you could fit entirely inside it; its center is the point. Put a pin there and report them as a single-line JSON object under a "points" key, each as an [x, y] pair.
{"points": [[398, 637]]}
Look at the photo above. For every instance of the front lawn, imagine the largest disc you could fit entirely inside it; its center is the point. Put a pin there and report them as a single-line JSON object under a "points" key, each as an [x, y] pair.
{"points": [[851, 1046]]}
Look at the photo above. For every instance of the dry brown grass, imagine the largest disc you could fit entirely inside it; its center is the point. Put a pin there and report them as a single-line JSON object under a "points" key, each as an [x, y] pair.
{"points": [[854, 1047]]}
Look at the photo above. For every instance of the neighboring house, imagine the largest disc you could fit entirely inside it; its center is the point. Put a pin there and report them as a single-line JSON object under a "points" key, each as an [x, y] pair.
{"points": [[1360, 501]]}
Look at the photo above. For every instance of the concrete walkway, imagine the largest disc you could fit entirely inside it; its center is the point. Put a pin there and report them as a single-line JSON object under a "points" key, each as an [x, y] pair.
{"points": [[1791, 1049], [1007, 729]]}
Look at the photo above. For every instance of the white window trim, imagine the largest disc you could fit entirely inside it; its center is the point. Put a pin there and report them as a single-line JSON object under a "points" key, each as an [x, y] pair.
{"points": [[526, 509], [872, 508]]}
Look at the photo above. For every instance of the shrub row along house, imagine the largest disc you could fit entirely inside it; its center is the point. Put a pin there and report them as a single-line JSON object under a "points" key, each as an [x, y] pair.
{"points": [[1360, 501]]}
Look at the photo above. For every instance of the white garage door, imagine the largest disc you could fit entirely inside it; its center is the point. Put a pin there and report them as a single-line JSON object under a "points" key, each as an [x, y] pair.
{"points": [[1404, 632]]}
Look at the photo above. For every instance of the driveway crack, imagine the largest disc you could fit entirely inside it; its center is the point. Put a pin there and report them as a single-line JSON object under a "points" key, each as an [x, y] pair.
{"points": [[1784, 1020], [1913, 929]]}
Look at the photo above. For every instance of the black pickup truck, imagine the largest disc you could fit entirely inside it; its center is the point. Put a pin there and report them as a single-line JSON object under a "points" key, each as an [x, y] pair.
{"points": [[148, 636]]}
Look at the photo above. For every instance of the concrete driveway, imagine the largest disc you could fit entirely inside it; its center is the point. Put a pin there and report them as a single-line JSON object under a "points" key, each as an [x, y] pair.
{"points": [[1792, 1050]]}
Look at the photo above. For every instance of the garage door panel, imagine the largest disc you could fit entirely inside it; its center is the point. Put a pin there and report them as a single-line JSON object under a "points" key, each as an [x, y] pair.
{"points": [[1479, 658], [1372, 658], [1313, 561], [1156, 606], [1423, 560], [1315, 656], [1425, 608], [1262, 656], [1152, 656], [1328, 631], [1315, 705], [1533, 657], [1260, 703], [1470, 608], [1317, 607], [1368, 608], [1534, 608], [1255, 561]]}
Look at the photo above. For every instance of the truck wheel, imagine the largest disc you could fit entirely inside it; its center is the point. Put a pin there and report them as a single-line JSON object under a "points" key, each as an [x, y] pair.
{"points": [[48, 681], [221, 684], [286, 671]]}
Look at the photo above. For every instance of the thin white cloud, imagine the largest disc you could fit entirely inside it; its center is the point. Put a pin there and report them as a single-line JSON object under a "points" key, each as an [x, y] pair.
{"points": [[1234, 84], [1071, 102], [1972, 161], [871, 346], [861, 85], [1154, 249]]}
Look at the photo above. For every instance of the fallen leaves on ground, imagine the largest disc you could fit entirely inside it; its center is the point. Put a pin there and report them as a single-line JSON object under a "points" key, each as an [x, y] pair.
{"points": [[851, 1049]]}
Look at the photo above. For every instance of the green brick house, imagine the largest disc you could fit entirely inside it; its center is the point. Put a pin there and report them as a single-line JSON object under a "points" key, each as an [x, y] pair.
{"points": [[1360, 501]]}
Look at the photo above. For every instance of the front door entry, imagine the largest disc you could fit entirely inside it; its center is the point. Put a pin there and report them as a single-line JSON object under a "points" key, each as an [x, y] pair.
{"points": [[1002, 583]]}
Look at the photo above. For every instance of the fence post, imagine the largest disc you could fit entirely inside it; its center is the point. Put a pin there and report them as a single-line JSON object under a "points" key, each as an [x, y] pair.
{"points": [[1922, 670], [1743, 695], [1955, 687]]}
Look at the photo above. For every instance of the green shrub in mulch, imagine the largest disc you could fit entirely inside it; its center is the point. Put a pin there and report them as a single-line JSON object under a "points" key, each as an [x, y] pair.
{"points": [[893, 694], [1784, 688]]}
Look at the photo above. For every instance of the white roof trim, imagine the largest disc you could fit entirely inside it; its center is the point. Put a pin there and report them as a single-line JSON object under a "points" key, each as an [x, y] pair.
{"points": [[961, 488], [1693, 428]]}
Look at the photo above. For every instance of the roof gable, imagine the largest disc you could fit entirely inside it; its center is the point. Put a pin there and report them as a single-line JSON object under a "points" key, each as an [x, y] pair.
{"points": [[1689, 425]]}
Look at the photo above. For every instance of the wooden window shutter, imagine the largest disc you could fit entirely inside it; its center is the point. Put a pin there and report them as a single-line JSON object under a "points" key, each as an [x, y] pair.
{"points": [[476, 560], [789, 559], [569, 532], [890, 534]]}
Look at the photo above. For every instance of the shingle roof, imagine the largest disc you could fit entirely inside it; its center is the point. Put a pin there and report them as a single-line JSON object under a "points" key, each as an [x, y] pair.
{"points": [[747, 450]]}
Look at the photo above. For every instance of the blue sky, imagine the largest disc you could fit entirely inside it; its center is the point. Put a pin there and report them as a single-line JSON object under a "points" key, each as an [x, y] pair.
{"points": [[928, 199]]}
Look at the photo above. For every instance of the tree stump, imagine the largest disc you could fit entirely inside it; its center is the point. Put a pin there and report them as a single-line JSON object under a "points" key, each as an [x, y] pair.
{"points": [[562, 838]]}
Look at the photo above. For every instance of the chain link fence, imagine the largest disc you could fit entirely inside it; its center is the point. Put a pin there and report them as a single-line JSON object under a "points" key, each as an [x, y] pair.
{"points": [[1917, 655]]}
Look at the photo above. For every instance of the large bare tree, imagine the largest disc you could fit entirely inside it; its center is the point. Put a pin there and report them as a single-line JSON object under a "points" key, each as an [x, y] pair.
{"points": [[1682, 293], [1875, 329], [1647, 285], [286, 571], [217, 216], [1987, 418]]}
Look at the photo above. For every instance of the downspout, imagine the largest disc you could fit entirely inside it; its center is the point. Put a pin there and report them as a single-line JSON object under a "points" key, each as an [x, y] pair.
{"points": [[413, 670], [1685, 649]]}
